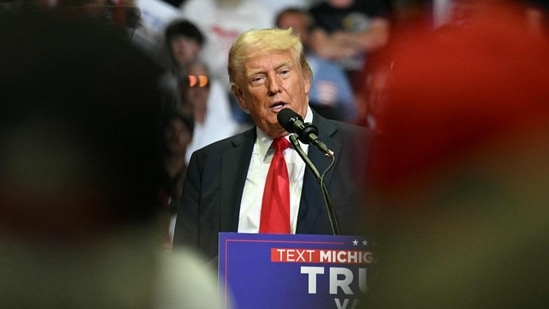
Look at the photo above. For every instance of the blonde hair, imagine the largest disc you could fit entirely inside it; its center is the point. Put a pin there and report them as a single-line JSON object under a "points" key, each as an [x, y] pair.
{"points": [[263, 41]]}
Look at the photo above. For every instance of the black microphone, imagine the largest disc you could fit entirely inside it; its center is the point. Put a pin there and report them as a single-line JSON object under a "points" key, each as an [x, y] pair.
{"points": [[307, 133]]}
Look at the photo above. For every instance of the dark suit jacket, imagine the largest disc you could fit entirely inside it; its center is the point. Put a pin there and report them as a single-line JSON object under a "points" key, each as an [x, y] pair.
{"points": [[216, 175]]}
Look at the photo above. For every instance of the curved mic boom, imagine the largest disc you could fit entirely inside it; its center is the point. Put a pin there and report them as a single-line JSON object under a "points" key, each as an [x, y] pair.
{"points": [[307, 132]]}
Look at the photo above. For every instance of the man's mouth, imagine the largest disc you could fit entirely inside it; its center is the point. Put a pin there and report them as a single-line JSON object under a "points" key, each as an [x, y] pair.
{"points": [[277, 106]]}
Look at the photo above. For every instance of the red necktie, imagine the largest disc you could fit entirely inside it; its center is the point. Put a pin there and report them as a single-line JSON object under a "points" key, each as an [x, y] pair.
{"points": [[275, 209]]}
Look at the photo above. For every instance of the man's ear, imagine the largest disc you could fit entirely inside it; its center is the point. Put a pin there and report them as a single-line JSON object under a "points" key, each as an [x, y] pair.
{"points": [[308, 84], [239, 97]]}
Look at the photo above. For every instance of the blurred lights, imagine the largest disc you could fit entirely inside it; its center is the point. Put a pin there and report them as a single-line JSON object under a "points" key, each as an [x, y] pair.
{"points": [[199, 81]]}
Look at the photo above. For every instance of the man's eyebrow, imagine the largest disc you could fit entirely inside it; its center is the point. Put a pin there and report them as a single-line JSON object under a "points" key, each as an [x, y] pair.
{"points": [[255, 72], [262, 71]]}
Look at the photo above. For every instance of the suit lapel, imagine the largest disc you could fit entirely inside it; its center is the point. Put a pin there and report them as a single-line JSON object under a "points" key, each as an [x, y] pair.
{"points": [[312, 202], [234, 168]]}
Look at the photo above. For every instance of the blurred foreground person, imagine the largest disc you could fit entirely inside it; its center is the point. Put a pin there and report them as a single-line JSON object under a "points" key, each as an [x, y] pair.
{"points": [[79, 172], [460, 172]]}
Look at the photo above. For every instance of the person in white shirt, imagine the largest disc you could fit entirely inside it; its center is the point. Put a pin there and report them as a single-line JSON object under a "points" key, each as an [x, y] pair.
{"points": [[222, 21], [205, 98]]}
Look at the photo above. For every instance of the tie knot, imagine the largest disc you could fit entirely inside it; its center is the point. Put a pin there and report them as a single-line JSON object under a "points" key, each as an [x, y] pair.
{"points": [[280, 144]]}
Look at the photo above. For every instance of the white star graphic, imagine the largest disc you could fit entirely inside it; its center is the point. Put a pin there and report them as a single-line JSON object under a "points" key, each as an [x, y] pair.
{"points": [[355, 242], [365, 242]]}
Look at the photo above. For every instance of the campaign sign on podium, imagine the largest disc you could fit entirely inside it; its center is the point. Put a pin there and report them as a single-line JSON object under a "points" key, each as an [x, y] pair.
{"points": [[294, 271]]}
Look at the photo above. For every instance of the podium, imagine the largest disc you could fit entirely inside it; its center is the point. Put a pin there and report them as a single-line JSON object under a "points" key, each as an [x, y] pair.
{"points": [[294, 271]]}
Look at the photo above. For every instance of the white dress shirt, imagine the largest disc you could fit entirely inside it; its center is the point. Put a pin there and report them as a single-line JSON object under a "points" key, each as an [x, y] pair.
{"points": [[252, 196]]}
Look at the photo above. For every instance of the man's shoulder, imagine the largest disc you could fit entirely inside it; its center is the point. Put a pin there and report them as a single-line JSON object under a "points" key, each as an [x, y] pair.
{"points": [[231, 142], [343, 126], [355, 132]]}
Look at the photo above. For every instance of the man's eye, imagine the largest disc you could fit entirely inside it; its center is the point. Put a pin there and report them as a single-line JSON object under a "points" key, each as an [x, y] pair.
{"points": [[257, 79], [285, 72]]}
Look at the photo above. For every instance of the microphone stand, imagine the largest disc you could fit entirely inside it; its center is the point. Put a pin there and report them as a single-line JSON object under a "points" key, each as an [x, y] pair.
{"points": [[332, 216]]}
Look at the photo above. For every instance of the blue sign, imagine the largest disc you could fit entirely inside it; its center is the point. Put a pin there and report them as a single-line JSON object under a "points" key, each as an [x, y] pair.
{"points": [[294, 271]]}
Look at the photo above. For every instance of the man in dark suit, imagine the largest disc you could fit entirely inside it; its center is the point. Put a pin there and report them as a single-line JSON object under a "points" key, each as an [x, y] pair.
{"points": [[224, 183]]}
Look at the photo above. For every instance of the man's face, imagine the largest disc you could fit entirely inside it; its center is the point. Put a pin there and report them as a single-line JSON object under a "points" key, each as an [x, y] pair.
{"points": [[177, 137], [271, 82], [184, 49]]}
